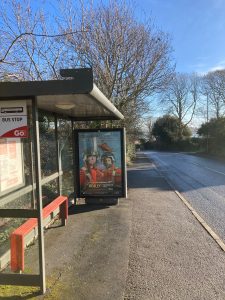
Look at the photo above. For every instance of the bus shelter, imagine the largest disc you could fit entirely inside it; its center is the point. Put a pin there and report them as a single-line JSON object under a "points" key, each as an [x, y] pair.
{"points": [[37, 149]]}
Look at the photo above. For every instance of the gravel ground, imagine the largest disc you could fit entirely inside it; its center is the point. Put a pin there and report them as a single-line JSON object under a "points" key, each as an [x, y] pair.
{"points": [[171, 255]]}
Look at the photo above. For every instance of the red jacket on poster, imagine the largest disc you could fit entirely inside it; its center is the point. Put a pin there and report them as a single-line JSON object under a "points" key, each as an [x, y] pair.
{"points": [[112, 174], [92, 175]]}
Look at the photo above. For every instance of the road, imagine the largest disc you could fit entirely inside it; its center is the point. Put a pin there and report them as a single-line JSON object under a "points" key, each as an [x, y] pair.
{"points": [[200, 180]]}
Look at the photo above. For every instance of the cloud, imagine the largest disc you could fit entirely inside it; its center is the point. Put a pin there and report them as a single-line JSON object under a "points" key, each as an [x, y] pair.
{"points": [[217, 67], [202, 69], [200, 65], [199, 68]]}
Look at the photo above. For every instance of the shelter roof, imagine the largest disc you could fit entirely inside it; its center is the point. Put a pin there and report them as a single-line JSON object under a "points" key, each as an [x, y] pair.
{"points": [[77, 97]]}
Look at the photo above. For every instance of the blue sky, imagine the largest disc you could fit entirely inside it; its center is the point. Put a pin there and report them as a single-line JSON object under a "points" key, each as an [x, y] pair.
{"points": [[197, 29]]}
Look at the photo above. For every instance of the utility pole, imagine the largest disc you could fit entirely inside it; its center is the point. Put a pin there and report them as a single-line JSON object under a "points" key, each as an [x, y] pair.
{"points": [[207, 117]]}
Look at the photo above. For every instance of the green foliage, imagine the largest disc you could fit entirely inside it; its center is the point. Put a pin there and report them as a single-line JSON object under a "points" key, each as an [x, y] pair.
{"points": [[215, 128], [170, 133], [213, 133]]}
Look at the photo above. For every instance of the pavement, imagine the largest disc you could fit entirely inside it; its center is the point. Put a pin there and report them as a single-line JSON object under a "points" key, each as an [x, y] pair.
{"points": [[148, 247]]}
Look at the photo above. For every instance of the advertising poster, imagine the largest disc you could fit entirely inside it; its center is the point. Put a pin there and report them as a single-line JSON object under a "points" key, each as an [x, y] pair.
{"points": [[11, 164], [100, 162]]}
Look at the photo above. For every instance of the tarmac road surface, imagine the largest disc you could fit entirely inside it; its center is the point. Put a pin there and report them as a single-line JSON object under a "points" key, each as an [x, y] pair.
{"points": [[200, 180]]}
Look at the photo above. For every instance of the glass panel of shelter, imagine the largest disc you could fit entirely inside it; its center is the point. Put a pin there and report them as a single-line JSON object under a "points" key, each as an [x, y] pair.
{"points": [[56, 168], [17, 186]]}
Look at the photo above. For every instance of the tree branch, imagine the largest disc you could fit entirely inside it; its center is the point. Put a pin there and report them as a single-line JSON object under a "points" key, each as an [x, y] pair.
{"points": [[37, 35]]}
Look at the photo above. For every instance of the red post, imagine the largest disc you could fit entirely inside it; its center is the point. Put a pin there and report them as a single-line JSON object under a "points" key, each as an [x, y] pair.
{"points": [[17, 252], [64, 212]]}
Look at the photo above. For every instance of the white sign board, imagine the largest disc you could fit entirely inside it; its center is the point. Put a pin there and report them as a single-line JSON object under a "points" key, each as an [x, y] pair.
{"points": [[13, 119], [11, 164]]}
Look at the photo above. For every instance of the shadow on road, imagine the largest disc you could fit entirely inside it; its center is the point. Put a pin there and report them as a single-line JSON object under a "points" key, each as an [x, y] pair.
{"points": [[83, 208], [146, 179]]}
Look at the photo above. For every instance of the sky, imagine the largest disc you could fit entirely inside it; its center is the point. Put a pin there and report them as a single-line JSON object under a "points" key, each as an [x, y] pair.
{"points": [[196, 28]]}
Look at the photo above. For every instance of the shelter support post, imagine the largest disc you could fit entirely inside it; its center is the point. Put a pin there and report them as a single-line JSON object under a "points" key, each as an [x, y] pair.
{"points": [[39, 195]]}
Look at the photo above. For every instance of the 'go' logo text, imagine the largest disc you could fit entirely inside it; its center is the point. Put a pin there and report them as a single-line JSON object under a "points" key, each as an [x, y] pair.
{"points": [[19, 133]]}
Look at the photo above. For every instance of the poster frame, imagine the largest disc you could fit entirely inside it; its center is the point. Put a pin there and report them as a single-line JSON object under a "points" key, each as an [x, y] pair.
{"points": [[77, 163]]}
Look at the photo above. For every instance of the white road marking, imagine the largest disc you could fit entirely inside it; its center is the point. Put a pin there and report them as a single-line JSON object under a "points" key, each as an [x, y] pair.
{"points": [[215, 171], [216, 238]]}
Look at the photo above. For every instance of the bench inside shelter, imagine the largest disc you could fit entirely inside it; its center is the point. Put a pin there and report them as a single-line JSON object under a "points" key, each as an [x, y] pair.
{"points": [[17, 238]]}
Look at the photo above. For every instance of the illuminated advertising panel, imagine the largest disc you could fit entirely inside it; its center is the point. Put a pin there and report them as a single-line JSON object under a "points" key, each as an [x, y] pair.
{"points": [[100, 165]]}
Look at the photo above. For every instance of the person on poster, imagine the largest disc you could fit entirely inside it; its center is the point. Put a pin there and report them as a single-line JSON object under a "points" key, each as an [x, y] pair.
{"points": [[90, 173], [110, 173]]}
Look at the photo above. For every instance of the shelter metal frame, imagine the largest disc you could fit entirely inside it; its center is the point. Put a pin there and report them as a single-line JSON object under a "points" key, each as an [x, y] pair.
{"points": [[80, 92], [29, 279]]}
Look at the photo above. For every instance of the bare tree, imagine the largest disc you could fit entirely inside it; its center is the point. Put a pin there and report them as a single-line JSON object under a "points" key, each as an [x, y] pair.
{"points": [[130, 59], [181, 98], [213, 86], [148, 123], [31, 49]]}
